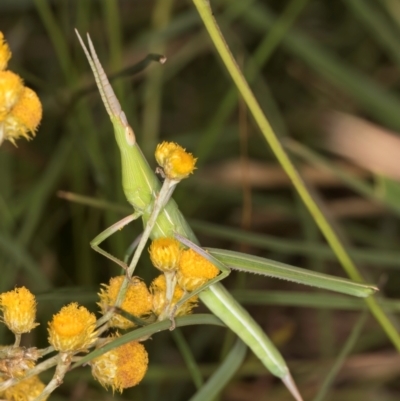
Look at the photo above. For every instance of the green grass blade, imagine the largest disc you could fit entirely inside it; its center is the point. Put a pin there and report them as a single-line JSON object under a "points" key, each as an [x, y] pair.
{"points": [[153, 88], [188, 357], [43, 189], [356, 184], [379, 26], [380, 103], [56, 36], [348, 346], [223, 374], [255, 62], [315, 300], [19, 256]]}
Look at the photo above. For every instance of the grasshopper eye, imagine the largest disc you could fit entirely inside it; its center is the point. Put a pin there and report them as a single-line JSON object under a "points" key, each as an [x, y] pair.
{"points": [[129, 135]]}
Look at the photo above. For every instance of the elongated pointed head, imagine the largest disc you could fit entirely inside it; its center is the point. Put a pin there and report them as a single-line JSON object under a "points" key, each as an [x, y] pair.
{"points": [[123, 132]]}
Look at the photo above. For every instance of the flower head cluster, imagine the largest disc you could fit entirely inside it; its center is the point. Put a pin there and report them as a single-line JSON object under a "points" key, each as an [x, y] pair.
{"points": [[175, 161], [187, 267], [19, 310], [20, 108], [26, 390], [158, 289], [194, 270], [122, 367], [72, 329], [137, 300]]}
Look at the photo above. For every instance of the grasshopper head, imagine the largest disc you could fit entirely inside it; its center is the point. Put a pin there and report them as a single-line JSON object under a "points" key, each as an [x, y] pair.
{"points": [[123, 131], [129, 135]]}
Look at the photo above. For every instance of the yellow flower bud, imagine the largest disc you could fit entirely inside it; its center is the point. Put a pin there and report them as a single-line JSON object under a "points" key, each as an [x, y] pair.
{"points": [[5, 53], [165, 254], [175, 161], [26, 390], [19, 310], [194, 270], [72, 329], [122, 367], [158, 289], [137, 300]]}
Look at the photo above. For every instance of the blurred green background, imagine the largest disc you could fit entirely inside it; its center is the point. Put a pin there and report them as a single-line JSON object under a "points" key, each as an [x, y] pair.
{"points": [[303, 58]]}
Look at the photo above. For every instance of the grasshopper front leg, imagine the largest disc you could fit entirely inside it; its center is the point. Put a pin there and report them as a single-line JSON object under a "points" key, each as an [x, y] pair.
{"points": [[119, 225]]}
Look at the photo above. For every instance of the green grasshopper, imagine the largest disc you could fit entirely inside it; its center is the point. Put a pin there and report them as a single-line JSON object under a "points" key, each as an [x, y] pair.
{"points": [[142, 187]]}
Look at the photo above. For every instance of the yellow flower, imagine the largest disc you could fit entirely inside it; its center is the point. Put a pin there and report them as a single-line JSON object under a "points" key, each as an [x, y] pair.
{"points": [[26, 390], [165, 254], [137, 300], [194, 270], [164, 150], [175, 161], [72, 329], [11, 88], [122, 367], [24, 118], [5, 53], [158, 290], [19, 310]]}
